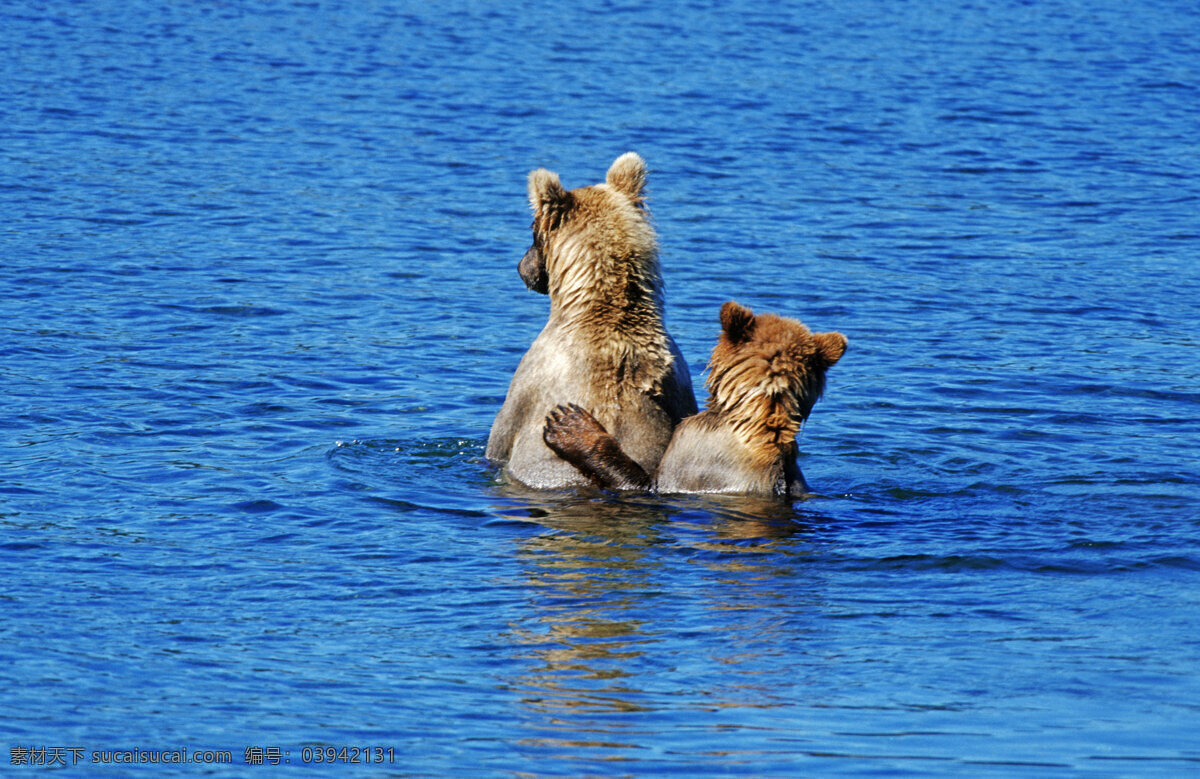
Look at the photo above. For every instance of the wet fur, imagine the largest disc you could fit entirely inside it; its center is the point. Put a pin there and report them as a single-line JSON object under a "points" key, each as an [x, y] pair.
{"points": [[765, 374], [604, 345]]}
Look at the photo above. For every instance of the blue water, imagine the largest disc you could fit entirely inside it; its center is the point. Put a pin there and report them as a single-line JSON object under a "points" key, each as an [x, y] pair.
{"points": [[259, 306]]}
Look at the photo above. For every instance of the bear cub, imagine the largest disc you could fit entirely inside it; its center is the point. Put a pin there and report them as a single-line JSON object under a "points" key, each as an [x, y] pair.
{"points": [[604, 345], [765, 374]]}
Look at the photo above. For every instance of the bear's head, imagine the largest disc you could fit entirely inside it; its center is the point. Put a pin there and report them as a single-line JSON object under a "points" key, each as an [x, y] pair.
{"points": [[592, 241], [767, 371]]}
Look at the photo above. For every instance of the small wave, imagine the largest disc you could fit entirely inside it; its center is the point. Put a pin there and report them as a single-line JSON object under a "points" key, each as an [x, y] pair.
{"points": [[242, 311], [21, 546], [925, 562], [257, 506], [1187, 562]]}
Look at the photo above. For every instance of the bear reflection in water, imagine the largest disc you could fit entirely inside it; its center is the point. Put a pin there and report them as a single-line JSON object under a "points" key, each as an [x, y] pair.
{"points": [[766, 373]]}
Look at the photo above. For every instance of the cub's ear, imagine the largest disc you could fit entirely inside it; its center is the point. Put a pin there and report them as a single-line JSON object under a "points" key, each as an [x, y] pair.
{"points": [[628, 175], [831, 346], [738, 322], [550, 202]]}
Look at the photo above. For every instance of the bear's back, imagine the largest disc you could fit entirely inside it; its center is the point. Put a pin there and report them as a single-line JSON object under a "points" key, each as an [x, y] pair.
{"points": [[556, 370], [706, 455]]}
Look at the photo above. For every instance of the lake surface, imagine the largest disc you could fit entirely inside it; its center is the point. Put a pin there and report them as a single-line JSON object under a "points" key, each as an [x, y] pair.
{"points": [[260, 306]]}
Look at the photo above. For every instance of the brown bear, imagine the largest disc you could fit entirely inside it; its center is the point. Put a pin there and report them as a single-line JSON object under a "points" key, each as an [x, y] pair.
{"points": [[604, 345], [765, 374]]}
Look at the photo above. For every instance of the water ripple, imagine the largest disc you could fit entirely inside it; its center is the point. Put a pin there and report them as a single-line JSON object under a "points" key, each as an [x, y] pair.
{"points": [[260, 309]]}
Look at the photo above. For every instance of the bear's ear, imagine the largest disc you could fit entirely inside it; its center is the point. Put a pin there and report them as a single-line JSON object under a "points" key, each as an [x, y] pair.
{"points": [[628, 175], [550, 202], [831, 346], [738, 322]]}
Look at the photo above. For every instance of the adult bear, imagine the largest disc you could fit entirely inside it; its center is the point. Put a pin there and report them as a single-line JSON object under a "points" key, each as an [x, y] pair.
{"points": [[765, 374], [604, 346]]}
